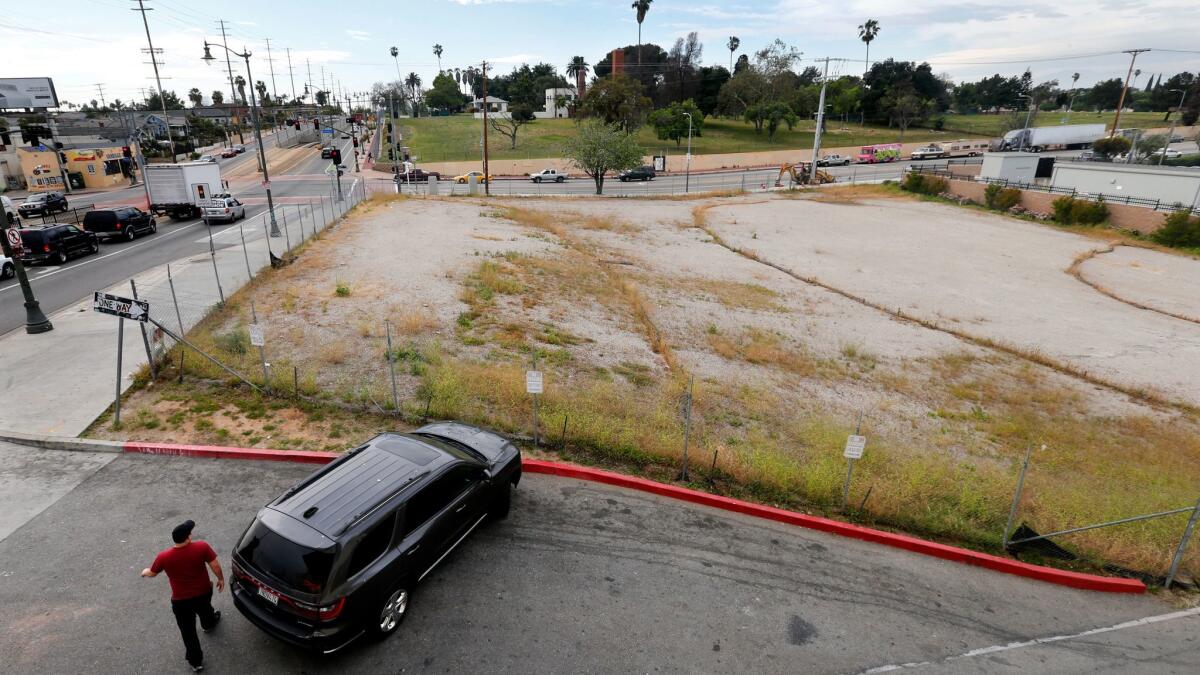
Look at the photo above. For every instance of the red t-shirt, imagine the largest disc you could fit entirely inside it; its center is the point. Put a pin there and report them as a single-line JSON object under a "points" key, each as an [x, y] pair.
{"points": [[186, 569]]}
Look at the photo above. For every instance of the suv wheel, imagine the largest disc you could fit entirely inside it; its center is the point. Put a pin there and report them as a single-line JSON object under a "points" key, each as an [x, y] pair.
{"points": [[537, 179], [128, 233], [391, 614], [65, 208], [95, 247], [7, 271], [501, 503], [61, 258], [153, 226]]}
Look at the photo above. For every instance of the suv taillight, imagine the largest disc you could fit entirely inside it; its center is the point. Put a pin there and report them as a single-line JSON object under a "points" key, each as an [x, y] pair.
{"points": [[326, 613], [45, 248]]}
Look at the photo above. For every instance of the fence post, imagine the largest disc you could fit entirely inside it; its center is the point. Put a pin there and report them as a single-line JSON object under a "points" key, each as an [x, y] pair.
{"points": [[392, 366], [245, 254], [212, 252], [287, 236], [262, 352], [1183, 542], [687, 426], [120, 353], [850, 466], [535, 405], [1012, 511], [174, 299], [145, 338], [300, 216]]}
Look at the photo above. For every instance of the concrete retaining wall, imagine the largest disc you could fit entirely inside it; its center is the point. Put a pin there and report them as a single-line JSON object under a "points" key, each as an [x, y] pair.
{"points": [[1121, 216]]}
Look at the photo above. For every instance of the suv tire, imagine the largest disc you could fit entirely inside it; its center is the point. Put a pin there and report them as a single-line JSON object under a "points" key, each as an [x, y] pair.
{"points": [[498, 510], [61, 258], [128, 233], [153, 226], [390, 614], [7, 271]]}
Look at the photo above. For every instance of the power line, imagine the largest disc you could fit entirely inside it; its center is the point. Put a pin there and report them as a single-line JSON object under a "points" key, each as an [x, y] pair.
{"points": [[228, 63], [157, 80], [271, 65], [291, 74], [100, 88]]}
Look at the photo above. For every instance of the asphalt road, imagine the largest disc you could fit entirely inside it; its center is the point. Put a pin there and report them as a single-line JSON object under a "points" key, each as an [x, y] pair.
{"points": [[57, 286], [580, 578]]}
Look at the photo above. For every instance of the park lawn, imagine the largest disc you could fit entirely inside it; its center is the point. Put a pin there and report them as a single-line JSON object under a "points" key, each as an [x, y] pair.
{"points": [[457, 138], [990, 125]]}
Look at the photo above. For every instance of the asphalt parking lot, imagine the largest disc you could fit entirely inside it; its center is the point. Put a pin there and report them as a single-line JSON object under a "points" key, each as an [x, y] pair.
{"points": [[580, 578]]}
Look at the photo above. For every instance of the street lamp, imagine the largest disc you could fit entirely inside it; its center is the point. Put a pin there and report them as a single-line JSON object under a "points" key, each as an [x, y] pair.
{"points": [[687, 171], [1182, 95], [35, 321], [262, 155], [1028, 116]]}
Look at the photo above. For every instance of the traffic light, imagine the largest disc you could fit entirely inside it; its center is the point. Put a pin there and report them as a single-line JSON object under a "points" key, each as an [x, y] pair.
{"points": [[336, 156], [297, 125], [317, 124], [349, 120], [355, 140], [126, 152]]}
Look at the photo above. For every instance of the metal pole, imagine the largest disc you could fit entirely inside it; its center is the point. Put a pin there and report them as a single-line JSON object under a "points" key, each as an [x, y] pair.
{"points": [[35, 320], [120, 353], [1110, 523], [820, 123], [174, 299], [392, 366], [245, 254], [145, 338], [535, 396], [262, 352], [1182, 95], [687, 427], [850, 462], [1012, 511], [212, 252], [286, 234], [300, 216], [687, 170], [487, 184], [1183, 542]]}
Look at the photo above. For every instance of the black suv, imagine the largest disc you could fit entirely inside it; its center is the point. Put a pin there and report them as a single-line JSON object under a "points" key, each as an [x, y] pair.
{"points": [[56, 243], [43, 204], [337, 556], [125, 222], [639, 173]]}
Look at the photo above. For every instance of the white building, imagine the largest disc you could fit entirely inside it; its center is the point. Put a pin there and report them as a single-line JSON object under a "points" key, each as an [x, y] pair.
{"points": [[495, 106], [558, 104], [1167, 184], [1015, 167]]}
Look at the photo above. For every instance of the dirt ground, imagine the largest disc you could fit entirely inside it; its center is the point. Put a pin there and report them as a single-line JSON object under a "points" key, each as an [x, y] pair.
{"points": [[956, 339]]}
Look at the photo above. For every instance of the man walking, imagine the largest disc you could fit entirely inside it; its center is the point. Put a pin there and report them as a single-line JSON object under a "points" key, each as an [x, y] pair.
{"points": [[191, 590]]}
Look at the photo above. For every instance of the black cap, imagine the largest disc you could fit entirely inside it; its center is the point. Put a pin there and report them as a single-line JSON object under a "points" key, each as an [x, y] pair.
{"points": [[182, 531]]}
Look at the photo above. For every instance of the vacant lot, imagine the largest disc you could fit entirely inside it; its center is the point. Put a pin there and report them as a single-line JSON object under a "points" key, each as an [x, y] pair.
{"points": [[960, 338], [447, 139], [991, 125]]}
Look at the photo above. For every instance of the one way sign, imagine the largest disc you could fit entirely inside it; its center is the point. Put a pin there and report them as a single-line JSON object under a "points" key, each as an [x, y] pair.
{"points": [[138, 310]]}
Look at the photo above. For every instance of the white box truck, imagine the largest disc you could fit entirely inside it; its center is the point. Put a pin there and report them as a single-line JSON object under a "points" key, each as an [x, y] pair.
{"points": [[183, 190], [1066, 137]]}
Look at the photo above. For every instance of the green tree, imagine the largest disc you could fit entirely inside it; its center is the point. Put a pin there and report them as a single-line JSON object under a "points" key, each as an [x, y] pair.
{"points": [[508, 125], [1105, 94], [671, 123], [437, 51], [217, 97], [578, 69], [261, 88], [1111, 146], [867, 32], [904, 107], [445, 93], [617, 100], [770, 116], [732, 46], [172, 100], [600, 148], [195, 97], [641, 7]]}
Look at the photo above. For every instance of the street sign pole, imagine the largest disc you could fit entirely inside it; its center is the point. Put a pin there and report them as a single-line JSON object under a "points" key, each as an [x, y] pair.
{"points": [[35, 321], [534, 385], [854, 450], [120, 353], [145, 338]]}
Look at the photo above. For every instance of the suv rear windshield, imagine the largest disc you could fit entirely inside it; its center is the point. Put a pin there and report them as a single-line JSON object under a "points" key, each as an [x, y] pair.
{"points": [[302, 568], [99, 218], [34, 239]]}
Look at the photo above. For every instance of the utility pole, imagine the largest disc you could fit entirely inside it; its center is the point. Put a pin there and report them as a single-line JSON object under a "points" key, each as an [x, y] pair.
{"points": [[233, 97], [154, 61], [291, 73], [1182, 96], [271, 65], [1121, 103], [100, 88], [820, 123], [487, 184]]}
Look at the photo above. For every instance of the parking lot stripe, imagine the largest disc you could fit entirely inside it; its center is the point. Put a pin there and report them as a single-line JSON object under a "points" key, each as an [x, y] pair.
{"points": [[1079, 580]]}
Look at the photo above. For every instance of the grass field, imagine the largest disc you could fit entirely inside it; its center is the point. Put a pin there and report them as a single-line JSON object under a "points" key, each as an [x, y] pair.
{"points": [[990, 125], [449, 139]]}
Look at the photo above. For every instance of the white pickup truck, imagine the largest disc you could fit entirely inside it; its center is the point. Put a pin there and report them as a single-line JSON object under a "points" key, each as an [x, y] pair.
{"points": [[548, 175], [931, 151]]}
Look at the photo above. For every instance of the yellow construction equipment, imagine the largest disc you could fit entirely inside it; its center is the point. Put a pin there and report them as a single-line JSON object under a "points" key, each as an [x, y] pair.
{"points": [[801, 173]]}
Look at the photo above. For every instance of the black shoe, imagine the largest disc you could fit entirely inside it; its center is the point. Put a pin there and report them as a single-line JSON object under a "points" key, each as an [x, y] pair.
{"points": [[216, 620]]}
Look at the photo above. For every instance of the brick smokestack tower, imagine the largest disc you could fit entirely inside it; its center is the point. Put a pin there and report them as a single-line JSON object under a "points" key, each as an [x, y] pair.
{"points": [[618, 62]]}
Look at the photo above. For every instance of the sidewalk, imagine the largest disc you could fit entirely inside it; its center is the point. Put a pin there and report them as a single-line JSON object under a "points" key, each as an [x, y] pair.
{"points": [[63, 380]]}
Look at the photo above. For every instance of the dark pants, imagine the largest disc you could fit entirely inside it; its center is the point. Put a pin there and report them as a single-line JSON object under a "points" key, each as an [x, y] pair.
{"points": [[186, 612]]}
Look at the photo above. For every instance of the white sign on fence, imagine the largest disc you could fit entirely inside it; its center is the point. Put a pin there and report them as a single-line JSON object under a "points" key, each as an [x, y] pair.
{"points": [[854, 447], [534, 383], [257, 338]]}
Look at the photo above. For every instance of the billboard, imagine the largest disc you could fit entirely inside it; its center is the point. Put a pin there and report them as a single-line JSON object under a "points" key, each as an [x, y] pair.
{"points": [[27, 92]]}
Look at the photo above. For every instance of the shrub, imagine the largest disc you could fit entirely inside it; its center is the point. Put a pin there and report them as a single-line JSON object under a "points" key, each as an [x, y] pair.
{"points": [[234, 342], [1071, 211], [1000, 198], [924, 184], [1179, 230]]}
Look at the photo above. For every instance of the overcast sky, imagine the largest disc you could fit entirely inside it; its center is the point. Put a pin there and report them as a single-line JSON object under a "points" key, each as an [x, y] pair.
{"points": [[83, 42]]}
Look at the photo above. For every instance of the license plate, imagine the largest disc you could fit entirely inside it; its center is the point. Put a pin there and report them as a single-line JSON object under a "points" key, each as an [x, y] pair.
{"points": [[268, 596]]}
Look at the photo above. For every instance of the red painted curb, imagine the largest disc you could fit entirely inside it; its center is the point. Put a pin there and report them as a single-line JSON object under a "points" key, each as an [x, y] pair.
{"points": [[1088, 582]]}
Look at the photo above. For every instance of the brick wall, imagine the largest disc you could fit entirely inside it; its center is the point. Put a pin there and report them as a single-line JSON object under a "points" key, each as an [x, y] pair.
{"points": [[1121, 216]]}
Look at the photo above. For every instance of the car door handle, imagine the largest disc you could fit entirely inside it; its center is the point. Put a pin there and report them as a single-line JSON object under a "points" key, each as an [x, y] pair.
{"points": [[413, 550], [461, 507]]}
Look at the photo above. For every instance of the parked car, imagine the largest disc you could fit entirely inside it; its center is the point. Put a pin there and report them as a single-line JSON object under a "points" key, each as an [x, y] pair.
{"points": [[6, 267], [1171, 153], [477, 174], [56, 243], [639, 173], [345, 137], [548, 175], [239, 148], [931, 151], [124, 222], [43, 204], [228, 152], [10, 211], [338, 555], [208, 159], [326, 152], [224, 209], [833, 160], [417, 176]]}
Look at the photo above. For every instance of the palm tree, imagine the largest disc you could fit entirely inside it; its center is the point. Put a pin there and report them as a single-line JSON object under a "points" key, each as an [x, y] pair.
{"points": [[578, 69], [867, 32], [437, 51], [1071, 101], [733, 44], [195, 97], [413, 82], [240, 83], [1136, 73], [642, 6]]}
